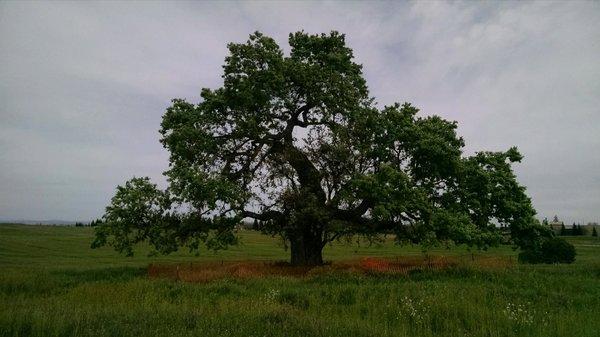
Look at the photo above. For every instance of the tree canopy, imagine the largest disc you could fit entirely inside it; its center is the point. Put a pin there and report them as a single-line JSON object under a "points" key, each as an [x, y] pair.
{"points": [[296, 142]]}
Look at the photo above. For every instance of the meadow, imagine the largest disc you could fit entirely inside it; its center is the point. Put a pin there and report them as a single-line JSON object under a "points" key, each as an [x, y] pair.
{"points": [[53, 284]]}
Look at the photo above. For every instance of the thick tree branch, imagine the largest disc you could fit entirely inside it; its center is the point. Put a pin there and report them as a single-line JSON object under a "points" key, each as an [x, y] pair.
{"points": [[308, 175], [264, 216]]}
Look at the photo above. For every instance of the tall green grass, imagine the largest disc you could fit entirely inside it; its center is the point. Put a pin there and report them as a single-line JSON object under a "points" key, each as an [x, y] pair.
{"points": [[52, 284]]}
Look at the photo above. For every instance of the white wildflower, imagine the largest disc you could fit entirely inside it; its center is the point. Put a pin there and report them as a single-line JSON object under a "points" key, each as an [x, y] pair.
{"points": [[519, 313], [272, 295]]}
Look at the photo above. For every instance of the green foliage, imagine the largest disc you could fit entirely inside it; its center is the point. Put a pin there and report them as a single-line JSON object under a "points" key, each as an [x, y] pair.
{"points": [[140, 212], [594, 232], [358, 169], [554, 250], [558, 250]]}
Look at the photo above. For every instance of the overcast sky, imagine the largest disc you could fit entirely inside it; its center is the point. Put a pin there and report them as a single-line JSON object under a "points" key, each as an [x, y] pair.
{"points": [[83, 86]]}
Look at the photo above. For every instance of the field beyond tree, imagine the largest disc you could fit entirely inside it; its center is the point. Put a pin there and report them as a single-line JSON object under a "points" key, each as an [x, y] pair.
{"points": [[52, 284]]}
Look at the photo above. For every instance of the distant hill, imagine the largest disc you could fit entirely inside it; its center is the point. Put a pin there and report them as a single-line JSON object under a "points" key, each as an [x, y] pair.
{"points": [[39, 222]]}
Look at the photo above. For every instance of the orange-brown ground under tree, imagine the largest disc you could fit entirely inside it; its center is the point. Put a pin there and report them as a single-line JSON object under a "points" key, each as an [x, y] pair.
{"points": [[209, 271]]}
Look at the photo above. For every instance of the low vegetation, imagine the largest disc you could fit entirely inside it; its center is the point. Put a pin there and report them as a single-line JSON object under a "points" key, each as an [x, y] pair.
{"points": [[554, 250], [52, 284]]}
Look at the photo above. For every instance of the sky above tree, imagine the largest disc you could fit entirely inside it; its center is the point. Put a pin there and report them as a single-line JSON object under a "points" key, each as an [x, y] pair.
{"points": [[84, 86]]}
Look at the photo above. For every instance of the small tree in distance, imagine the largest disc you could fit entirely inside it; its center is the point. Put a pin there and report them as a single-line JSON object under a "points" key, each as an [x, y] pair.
{"points": [[297, 142]]}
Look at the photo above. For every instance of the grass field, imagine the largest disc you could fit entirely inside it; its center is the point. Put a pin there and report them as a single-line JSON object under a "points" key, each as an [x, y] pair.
{"points": [[53, 284]]}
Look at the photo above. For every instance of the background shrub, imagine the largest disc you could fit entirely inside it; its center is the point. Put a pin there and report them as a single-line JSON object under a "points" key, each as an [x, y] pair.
{"points": [[553, 250]]}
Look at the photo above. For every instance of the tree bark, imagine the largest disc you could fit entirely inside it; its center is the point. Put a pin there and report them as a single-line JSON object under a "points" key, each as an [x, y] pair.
{"points": [[306, 250]]}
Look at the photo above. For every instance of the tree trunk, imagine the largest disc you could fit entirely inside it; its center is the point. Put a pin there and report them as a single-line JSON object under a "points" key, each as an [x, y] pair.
{"points": [[306, 250]]}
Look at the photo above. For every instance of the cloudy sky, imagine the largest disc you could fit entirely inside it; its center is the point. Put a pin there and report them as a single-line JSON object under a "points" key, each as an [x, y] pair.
{"points": [[83, 86]]}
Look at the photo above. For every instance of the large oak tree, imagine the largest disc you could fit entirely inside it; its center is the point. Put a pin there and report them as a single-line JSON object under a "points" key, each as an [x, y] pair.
{"points": [[296, 142]]}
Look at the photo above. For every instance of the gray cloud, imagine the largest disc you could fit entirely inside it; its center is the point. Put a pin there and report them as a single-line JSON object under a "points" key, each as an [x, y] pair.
{"points": [[84, 86]]}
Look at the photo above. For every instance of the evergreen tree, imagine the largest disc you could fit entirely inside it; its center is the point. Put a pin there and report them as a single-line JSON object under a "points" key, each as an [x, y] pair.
{"points": [[594, 232], [563, 230], [577, 230], [95, 223]]}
